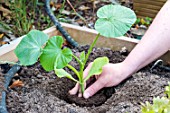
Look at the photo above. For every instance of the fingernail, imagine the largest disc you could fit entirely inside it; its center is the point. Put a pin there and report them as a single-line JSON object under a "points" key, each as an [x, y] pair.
{"points": [[70, 92], [86, 95], [79, 95]]}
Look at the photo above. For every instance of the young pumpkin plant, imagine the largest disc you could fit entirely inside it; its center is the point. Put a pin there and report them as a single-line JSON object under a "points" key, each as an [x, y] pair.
{"points": [[113, 21], [160, 105]]}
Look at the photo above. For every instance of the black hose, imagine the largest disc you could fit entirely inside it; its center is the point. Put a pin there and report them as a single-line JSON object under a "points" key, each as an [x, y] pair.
{"points": [[69, 39], [8, 77]]}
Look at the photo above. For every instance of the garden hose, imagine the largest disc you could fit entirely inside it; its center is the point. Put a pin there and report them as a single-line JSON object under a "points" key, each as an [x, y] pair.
{"points": [[8, 77], [159, 64], [68, 38]]}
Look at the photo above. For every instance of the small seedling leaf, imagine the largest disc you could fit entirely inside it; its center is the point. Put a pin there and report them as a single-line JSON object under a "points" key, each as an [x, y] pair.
{"points": [[114, 20], [62, 73], [159, 104], [53, 55], [167, 90], [30, 47], [82, 56], [97, 65]]}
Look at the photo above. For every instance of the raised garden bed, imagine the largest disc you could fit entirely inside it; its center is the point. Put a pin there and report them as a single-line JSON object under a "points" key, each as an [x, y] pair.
{"points": [[45, 93], [42, 91], [83, 36]]}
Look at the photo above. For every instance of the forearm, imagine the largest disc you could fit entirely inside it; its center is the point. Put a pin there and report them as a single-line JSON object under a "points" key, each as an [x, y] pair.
{"points": [[154, 43]]}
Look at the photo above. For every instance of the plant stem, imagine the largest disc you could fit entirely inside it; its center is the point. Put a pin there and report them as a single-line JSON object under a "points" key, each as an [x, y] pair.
{"points": [[82, 66], [91, 47], [79, 75], [77, 59], [74, 70], [76, 12], [82, 87]]}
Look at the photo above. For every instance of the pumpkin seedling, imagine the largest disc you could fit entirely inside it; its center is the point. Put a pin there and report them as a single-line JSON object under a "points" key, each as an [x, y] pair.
{"points": [[113, 21], [160, 105]]}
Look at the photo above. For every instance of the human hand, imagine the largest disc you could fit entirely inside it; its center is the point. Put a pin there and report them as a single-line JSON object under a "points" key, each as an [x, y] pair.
{"points": [[111, 75]]}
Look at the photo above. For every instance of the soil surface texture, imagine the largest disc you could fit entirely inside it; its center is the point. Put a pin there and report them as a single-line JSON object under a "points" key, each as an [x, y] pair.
{"points": [[44, 92]]}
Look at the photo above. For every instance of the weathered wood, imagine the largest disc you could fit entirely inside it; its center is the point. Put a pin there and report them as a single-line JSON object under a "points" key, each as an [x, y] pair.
{"points": [[82, 36], [142, 14], [151, 2], [148, 8], [143, 9]]}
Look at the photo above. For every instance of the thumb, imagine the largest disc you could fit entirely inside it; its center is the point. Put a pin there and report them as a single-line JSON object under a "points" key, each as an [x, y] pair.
{"points": [[86, 71], [95, 87]]}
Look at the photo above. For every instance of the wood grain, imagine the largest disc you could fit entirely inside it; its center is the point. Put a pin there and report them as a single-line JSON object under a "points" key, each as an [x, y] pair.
{"points": [[147, 8]]}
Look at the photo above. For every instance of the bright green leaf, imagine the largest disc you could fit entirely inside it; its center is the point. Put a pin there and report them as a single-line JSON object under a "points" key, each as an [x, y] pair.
{"points": [[114, 20], [97, 65], [62, 73], [53, 55], [82, 56], [159, 104], [147, 108], [167, 90], [30, 47], [167, 109]]}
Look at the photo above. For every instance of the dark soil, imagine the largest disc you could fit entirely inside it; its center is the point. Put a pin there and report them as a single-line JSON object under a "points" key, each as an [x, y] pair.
{"points": [[44, 92]]}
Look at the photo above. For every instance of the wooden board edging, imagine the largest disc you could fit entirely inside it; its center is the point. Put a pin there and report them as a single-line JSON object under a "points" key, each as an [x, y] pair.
{"points": [[147, 8], [82, 35]]}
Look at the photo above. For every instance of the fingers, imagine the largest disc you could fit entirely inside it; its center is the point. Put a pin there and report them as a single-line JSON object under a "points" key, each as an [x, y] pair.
{"points": [[80, 92], [77, 88], [86, 71], [97, 76], [90, 91], [74, 90]]}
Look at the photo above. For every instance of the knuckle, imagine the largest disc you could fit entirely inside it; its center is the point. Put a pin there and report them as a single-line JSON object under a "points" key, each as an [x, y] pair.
{"points": [[90, 63], [93, 90]]}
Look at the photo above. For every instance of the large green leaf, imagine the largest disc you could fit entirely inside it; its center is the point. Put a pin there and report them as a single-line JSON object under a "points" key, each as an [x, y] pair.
{"points": [[30, 47], [114, 20], [62, 73], [97, 65], [53, 55]]}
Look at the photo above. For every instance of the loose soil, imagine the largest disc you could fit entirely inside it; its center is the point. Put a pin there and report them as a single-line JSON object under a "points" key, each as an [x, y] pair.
{"points": [[44, 92]]}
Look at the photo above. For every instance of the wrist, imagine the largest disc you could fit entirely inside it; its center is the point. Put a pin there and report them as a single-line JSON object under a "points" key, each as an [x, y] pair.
{"points": [[128, 69]]}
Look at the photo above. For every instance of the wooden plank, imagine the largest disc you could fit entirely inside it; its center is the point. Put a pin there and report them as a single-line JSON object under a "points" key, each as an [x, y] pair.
{"points": [[8, 47], [139, 9], [145, 14], [153, 2], [147, 6], [9, 56], [82, 36], [159, 0]]}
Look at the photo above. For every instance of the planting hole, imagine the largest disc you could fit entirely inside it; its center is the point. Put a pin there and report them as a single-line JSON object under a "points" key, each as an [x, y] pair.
{"points": [[60, 88]]}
